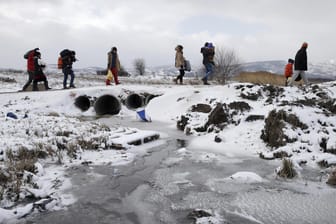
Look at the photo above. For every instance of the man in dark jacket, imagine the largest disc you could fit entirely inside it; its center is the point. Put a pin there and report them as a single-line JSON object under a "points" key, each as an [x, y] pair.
{"points": [[208, 52], [300, 64], [68, 58]]}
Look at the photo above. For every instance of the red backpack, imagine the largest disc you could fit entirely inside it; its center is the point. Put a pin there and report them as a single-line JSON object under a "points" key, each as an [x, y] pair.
{"points": [[59, 63]]}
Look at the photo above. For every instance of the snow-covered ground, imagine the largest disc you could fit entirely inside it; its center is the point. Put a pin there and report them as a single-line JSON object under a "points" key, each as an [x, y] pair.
{"points": [[62, 136]]}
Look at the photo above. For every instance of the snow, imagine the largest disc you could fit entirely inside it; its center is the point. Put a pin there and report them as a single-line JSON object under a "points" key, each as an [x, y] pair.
{"points": [[47, 120]]}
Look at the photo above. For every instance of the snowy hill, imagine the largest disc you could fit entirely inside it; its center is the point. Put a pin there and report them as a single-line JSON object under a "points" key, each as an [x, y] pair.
{"points": [[230, 130]]}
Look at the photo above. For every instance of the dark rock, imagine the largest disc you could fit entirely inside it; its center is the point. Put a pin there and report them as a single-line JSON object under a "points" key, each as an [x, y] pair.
{"points": [[196, 214], [240, 106], [329, 105], [202, 108], [332, 178], [254, 118], [323, 144], [217, 115], [218, 139], [182, 123], [251, 96]]}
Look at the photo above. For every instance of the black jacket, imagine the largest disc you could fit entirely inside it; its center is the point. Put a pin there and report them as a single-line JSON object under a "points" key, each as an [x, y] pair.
{"points": [[208, 55], [300, 63]]}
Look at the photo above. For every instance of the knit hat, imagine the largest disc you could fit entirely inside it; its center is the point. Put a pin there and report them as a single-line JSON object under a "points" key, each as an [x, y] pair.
{"points": [[305, 45]]}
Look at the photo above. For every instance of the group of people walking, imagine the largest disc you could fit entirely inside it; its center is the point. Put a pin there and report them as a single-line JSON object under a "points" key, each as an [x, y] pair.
{"points": [[300, 67], [35, 66], [295, 68], [208, 52]]}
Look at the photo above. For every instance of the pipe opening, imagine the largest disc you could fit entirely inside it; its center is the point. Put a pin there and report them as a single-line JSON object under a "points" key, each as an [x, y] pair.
{"points": [[83, 103], [134, 101], [107, 104]]}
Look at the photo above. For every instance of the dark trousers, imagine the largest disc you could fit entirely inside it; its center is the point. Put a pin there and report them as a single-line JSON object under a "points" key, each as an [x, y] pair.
{"points": [[67, 72], [180, 76], [42, 79], [30, 80]]}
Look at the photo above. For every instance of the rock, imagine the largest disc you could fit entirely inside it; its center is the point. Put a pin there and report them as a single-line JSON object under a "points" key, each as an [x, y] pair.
{"points": [[254, 118], [217, 115], [240, 106], [332, 178], [202, 108], [218, 139]]}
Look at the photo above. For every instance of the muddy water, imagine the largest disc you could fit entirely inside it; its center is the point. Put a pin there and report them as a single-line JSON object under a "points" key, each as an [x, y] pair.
{"points": [[168, 183]]}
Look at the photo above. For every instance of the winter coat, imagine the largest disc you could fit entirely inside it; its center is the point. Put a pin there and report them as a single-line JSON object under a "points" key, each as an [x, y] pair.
{"points": [[113, 61], [39, 65], [289, 70], [301, 60], [30, 61], [179, 59], [208, 55]]}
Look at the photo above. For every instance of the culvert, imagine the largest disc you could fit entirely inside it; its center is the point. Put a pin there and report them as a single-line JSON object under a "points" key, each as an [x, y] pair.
{"points": [[83, 103], [134, 101], [107, 104]]}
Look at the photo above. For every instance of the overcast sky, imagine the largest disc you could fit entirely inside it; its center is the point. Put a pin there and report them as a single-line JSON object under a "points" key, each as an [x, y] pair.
{"points": [[150, 29]]}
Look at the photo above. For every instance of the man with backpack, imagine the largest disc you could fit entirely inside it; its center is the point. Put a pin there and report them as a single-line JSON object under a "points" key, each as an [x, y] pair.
{"points": [[29, 56], [68, 57]]}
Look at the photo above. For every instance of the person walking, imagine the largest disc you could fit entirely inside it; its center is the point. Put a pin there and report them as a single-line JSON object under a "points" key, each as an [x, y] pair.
{"points": [[288, 70], [208, 52], [39, 75], [68, 58], [179, 63], [113, 64], [300, 65], [29, 56]]}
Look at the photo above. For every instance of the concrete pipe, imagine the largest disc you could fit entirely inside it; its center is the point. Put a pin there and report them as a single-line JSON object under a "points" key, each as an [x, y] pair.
{"points": [[134, 101], [107, 104], [149, 97], [83, 102]]}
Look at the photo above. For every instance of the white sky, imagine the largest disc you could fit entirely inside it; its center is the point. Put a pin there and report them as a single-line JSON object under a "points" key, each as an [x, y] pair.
{"points": [[150, 29]]}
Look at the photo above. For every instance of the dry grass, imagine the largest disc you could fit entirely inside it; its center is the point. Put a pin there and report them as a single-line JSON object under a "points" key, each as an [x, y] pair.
{"points": [[262, 78], [287, 170]]}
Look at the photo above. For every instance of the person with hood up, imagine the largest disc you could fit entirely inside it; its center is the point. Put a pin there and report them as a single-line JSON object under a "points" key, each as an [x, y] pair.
{"points": [[208, 52], [113, 64], [179, 63], [300, 65]]}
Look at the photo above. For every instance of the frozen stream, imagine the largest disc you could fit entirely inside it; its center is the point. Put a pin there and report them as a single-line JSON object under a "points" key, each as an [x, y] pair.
{"points": [[171, 181]]}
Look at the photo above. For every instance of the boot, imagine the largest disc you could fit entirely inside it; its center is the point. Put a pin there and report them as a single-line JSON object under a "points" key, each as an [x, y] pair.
{"points": [[35, 88], [46, 86], [108, 82]]}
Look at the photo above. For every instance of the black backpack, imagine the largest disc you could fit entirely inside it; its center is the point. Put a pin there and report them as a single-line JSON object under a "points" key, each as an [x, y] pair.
{"points": [[65, 53]]}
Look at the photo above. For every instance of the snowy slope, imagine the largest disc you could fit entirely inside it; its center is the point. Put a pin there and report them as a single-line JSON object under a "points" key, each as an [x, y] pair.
{"points": [[48, 121]]}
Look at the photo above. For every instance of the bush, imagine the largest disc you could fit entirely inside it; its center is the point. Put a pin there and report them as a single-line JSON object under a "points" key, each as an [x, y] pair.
{"points": [[287, 170]]}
